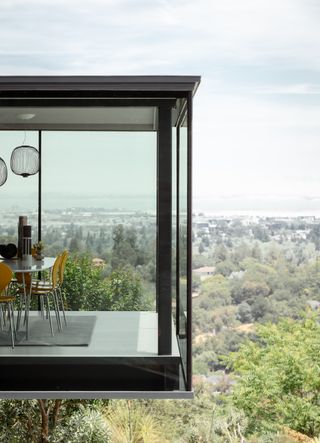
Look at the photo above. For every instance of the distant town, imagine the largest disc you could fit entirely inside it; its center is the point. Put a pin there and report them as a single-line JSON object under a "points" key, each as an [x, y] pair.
{"points": [[207, 228]]}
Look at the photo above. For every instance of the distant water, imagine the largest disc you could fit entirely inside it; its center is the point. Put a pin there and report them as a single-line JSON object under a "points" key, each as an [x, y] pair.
{"points": [[231, 205], [264, 206], [138, 203]]}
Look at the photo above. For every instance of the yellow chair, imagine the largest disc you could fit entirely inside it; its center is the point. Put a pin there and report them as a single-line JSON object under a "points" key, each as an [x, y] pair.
{"points": [[64, 258], [22, 283], [5, 279], [60, 299], [43, 290]]}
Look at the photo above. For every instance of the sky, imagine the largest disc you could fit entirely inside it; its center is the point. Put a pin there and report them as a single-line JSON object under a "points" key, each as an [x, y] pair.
{"points": [[257, 111]]}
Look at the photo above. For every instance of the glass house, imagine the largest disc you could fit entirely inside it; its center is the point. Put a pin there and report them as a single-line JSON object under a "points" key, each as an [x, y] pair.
{"points": [[115, 170]]}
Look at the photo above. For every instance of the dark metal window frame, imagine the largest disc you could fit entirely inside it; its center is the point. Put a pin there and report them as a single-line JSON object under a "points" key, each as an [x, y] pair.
{"points": [[185, 115]]}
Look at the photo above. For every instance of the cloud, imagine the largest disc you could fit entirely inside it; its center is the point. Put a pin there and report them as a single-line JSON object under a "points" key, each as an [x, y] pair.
{"points": [[300, 88], [256, 111], [257, 143], [134, 36]]}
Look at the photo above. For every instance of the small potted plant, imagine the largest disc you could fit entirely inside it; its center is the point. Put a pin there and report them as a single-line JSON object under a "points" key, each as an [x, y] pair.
{"points": [[37, 250]]}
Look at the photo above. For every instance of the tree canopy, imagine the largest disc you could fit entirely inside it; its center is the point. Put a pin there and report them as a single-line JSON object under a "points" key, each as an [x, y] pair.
{"points": [[279, 376]]}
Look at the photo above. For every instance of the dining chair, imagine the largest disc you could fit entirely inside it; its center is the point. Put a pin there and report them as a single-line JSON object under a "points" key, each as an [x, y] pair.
{"points": [[22, 284], [61, 299], [44, 290], [5, 298]]}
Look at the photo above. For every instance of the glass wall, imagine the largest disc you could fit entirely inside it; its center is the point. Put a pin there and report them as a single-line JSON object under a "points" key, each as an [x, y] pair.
{"points": [[99, 199], [182, 156], [18, 196]]}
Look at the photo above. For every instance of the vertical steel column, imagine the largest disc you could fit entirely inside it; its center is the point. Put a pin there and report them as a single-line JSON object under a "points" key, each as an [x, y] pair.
{"points": [[178, 232], [39, 199], [164, 229], [39, 185]]}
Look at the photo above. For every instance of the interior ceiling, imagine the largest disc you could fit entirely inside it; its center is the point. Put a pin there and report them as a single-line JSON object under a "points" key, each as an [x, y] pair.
{"points": [[78, 118]]}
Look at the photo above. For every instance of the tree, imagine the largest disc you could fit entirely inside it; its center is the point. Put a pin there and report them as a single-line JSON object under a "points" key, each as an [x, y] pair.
{"points": [[75, 245], [279, 377], [244, 313], [256, 251], [38, 420], [83, 284], [124, 250], [85, 425], [260, 233], [123, 291], [220, 253], [314, 236], [248, 290], [85, 287], [225, 267], [201, 248], [217, 288]]}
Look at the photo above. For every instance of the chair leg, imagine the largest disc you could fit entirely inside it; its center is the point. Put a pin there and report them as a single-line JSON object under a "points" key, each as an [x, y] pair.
{"points": [[62, 305], [1, 318], [11, 320], [19, 314], [49, 315], [56, 308], [42, 307], [26, 315]]}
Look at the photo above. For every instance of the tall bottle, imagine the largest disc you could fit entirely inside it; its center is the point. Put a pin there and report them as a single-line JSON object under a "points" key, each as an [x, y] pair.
{"points": [[23, 220]]}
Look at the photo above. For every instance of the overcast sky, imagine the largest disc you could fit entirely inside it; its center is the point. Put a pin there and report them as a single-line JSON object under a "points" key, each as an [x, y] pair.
{"points": [[257, 111]]}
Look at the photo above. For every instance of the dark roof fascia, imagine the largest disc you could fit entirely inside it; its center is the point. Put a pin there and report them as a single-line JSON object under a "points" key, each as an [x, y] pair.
{"points": [[100, 83]]}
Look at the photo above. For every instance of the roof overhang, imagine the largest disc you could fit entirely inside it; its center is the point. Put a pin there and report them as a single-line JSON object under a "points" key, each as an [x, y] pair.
{"points": [[141, 83], [111, 103]]}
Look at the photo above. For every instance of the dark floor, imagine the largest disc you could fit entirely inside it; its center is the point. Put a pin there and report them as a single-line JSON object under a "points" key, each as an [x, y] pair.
{"points": [[118, 334]]}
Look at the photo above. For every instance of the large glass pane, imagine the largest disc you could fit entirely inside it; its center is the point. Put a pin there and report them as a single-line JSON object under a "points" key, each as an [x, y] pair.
{"points": [[182, 238], [99, 197], [18, 196]]}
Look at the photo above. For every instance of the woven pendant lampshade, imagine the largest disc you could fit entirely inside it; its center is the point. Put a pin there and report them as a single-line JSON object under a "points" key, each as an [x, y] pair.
{"points": [[3, 172], [25, 160]]}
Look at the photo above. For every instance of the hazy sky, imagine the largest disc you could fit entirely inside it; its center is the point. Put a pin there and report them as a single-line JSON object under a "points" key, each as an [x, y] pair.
{"points": [[257, 111]]}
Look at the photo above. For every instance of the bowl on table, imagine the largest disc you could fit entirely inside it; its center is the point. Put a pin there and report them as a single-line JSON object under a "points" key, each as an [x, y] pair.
{"points": [[8, 251]]}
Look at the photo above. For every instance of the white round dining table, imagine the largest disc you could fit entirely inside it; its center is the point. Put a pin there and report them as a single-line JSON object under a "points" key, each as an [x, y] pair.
{"points": [[24, 266], [28, 267]]}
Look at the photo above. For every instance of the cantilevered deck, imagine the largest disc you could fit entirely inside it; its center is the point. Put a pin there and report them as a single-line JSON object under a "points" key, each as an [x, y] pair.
{"points": [[122, 355]]}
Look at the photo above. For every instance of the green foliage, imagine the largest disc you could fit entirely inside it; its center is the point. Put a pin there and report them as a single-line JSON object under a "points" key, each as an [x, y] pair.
{"points": [[206, 419], [314, 235], [123, 291], [204, 362], [86, 425], [279, 381], [244, 313], [225, 267], [260, 233], [217, 288], [124, 249], [85, 287], [19, 421], [132, 422]]}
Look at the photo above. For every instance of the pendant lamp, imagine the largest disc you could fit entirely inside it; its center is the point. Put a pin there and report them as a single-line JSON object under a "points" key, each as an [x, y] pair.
{"points": [[3, 172], [25, 160]]}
